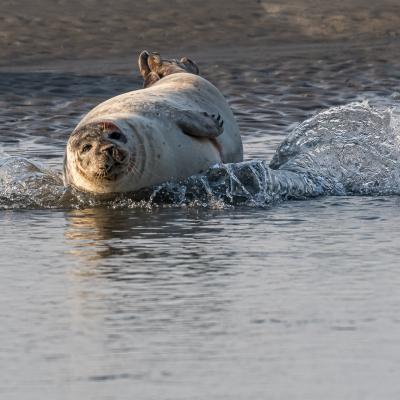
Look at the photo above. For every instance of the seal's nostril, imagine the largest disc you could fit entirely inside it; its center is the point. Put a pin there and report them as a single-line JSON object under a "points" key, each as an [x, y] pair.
{"points": [[118, 155], [107, 148]]}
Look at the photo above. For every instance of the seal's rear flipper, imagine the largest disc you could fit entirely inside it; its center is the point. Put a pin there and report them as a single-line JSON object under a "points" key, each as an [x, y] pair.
{"points": [[200, 124], [149, 76], [143, 65], [190, 66], [152, 67]]}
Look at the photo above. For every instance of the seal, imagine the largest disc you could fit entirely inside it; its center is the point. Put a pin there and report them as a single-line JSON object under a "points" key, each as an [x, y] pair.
{"points": [[178, 125]]}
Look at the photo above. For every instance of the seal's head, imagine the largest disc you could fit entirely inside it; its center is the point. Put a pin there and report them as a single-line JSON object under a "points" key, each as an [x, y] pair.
{"points": [[97, 158]]}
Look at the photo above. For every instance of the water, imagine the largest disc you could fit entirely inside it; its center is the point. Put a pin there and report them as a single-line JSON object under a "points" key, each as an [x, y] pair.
{"points": [[230, 297], [297, 300]]}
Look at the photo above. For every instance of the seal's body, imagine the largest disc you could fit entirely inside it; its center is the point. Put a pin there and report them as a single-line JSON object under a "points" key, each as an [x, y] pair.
{"points": [[176, 127]]}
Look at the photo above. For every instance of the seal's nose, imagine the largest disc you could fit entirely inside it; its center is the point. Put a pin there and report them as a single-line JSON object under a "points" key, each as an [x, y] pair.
{"points": [[113, 152], [107, 148]]}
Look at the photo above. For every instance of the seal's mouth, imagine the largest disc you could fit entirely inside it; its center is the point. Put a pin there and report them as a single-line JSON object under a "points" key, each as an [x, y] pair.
{"points": [[111, 163]]}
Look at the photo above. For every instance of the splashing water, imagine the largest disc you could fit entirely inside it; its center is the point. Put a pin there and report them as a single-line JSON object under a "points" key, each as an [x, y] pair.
{"points": [[355, 148], [346, 150]]}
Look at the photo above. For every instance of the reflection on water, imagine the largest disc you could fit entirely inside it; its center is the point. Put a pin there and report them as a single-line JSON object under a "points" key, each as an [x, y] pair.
{"points": [[100, 233]]}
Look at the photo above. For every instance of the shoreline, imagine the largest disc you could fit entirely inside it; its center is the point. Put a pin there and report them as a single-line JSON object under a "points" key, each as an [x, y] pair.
{"points": [[63, 31]]}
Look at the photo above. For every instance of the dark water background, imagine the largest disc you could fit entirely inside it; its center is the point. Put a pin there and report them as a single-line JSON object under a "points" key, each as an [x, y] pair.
{"points": [[296, 301]]}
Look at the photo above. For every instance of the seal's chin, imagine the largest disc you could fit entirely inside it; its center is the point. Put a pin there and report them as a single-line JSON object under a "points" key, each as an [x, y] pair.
{"points": [[109, 173]]}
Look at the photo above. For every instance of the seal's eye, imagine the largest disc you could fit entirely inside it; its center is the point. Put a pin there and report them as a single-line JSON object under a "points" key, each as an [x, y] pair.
{"points": [[115, 135], [86, 148]]}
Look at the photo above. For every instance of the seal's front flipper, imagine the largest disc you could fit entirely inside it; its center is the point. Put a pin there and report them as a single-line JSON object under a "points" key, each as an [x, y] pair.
{"points": [[200, 124]]}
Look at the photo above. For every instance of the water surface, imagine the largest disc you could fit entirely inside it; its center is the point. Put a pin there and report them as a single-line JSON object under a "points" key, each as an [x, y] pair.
{"points": [[298, 300]]}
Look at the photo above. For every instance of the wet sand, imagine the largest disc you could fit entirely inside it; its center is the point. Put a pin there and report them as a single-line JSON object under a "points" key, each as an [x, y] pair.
{"points": [[58, 31]]}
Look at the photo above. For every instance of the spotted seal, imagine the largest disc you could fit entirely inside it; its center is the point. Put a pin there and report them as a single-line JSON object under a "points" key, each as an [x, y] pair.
{"points": [[178, 125]]}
